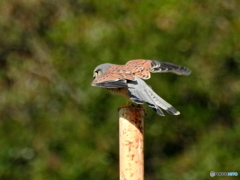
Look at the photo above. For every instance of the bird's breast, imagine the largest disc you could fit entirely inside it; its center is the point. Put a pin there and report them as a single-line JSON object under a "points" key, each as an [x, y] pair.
{"points": [[119, 91]]}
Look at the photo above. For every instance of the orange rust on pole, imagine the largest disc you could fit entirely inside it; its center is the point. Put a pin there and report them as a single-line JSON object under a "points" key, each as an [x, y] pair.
{"points": [[131, 144]]}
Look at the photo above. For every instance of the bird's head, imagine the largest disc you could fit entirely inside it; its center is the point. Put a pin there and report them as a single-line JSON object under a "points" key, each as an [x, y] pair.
{"points": [[102, 68]]}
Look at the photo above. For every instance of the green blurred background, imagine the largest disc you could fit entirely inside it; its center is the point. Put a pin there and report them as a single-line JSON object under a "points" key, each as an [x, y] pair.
{"points": [[55, 126]]}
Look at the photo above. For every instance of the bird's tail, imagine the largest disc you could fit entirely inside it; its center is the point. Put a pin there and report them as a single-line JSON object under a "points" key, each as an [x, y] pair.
{"points": [[141, 93]]}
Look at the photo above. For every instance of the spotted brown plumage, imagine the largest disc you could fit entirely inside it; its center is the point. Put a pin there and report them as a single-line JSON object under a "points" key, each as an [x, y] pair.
{"points": [[127, 80]]}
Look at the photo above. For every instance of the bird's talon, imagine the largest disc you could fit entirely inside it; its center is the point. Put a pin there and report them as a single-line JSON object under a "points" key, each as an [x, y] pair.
{"points": [[126, 106]]}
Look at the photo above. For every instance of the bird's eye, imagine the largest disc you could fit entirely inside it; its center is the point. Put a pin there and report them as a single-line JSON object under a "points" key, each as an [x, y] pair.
{"points": [[95, 74]]}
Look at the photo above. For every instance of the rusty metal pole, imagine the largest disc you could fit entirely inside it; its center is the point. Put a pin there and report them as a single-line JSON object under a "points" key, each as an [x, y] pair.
{"points": [[131, 144]]}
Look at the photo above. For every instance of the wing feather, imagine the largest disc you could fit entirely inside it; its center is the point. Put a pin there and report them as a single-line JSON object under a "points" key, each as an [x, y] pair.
{"points": [[158, 66], [143, 68], [140, 92], [111, 84]]}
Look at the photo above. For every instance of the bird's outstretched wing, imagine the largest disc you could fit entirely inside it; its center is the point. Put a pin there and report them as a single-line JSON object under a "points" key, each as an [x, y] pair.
{"points": [[136, 68], [141, 93], [143, 68]]}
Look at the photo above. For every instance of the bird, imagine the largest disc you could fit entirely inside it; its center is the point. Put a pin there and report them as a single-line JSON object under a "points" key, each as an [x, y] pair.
{"points": [[128, 80]]}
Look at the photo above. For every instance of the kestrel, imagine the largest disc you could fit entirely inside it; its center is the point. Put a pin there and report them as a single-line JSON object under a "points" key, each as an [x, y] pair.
{"points": [[127, 80]]}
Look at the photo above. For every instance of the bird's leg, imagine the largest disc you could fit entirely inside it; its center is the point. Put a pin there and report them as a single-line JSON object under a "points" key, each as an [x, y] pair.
{"points": [[128, 104]]}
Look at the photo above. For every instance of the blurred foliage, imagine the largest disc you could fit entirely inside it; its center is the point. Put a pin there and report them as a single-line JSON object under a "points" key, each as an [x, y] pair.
{"points": [[54, 125]]}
